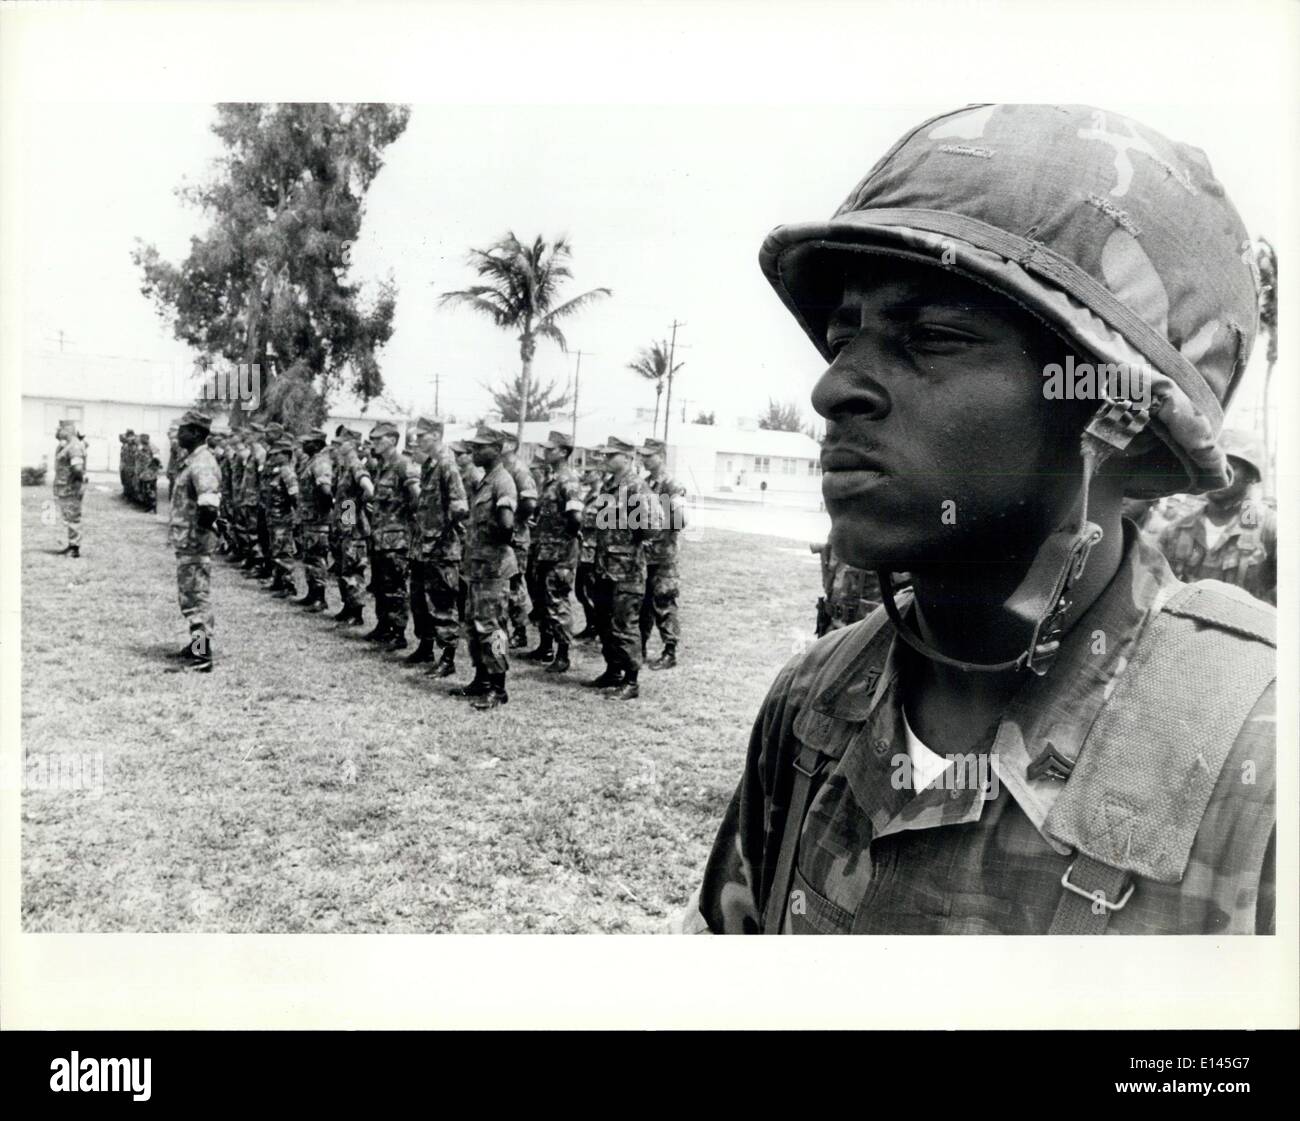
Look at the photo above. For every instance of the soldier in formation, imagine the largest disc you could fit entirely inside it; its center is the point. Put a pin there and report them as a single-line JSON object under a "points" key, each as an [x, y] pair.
{"points": [[1231, 533], [555, 554], [659, 605], [191, 530], [69, 482]]}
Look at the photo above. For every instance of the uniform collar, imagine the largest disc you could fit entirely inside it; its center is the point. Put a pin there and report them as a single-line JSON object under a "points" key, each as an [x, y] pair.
{"points": [[1045, 722]]}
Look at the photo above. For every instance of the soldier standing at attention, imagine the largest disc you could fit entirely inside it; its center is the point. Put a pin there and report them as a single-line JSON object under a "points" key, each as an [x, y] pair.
{"points": [[266, 571], [1044, 647], [659, 607], [70, 483], [555, 544], [247, 497], [174, 454], [526, 489], [353, 491], [280, 498], [491, 562], [217, 445], [471, 474], [316, 504], [436, 551], [584, 584], [1230, 535], [144, 473], [230, 448], [397, 496], [191, 530], [127, 450], [623, 522]]}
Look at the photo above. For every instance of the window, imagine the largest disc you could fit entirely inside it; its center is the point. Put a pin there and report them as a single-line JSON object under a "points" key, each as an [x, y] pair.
{"points": [[814, 468], [762, 464], [788, 466]]}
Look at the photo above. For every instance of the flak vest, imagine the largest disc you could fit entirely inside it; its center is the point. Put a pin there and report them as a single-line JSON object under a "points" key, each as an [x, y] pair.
{"points": [[1147, 776]]}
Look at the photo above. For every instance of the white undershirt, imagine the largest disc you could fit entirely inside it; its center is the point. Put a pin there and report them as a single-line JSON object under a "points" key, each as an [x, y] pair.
{"points": [[1213, 535], [926, 764]]}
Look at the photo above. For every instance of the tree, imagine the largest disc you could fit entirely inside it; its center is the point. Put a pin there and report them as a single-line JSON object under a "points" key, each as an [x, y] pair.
{"points": [[520, 294], [706, 418], [781, 417], [543, 401], [267, 283], [652, 364]]}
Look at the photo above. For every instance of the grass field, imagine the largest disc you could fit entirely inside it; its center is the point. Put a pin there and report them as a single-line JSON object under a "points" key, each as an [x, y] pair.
{"points": [[314, 784]]}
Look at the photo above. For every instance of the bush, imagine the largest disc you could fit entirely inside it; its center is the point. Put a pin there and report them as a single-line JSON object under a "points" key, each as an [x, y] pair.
{"points": [[33, 476]]}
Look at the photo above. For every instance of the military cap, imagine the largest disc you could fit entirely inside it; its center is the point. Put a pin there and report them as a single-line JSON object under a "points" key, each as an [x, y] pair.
{"points": [[507, 438], [129, 432], [490, 437], [616, 446], [383, 428], [558, 439], [283, 444], [313, 434], [460, 447], [653, 447], [432, 425], [352, 434], [196, 419]]}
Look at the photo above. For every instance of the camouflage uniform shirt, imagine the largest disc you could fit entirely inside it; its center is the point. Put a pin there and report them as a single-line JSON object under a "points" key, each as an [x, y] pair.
{"points": [[442, 493], [486, 559], [878, 857], [562, 496], [198, 483], [1245, 554]]}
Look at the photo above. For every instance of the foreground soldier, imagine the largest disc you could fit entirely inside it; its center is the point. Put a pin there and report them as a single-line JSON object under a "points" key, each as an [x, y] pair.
{"points": [[1044, 645], [555, 544], [70, 483], [316, 506], [353, 491], [624, 520], [490, 560], [397, 493], [436, 551], [191, 530], [659, 607], [1230, 535]]}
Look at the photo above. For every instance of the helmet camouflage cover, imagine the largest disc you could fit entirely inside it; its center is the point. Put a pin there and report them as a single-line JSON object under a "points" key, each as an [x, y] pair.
{"points": [[1121, 240]]}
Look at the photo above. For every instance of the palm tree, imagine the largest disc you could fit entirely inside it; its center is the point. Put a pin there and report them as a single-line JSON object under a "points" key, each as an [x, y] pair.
{"points": [[520, 294], [652, 364]]}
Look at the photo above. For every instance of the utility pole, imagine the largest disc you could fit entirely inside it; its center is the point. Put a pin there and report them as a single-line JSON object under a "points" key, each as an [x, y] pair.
{"points": [[437, 385], [668, 405], [577, 378]]}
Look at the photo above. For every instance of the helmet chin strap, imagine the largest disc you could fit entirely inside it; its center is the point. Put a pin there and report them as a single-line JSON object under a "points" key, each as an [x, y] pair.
{"points": [[1041, 602]]}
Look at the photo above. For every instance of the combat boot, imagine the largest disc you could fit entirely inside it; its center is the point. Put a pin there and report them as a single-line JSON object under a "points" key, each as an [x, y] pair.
{"points": [[475, 688], [351, 616], [66, 551], [666, 660], [586, 633], [423, 652], [560, 663], [318, 603], [607, 680], [628, 691], [74, 551], [446, 666], [396, 641], [544, 651], [494, 695], [307, 599], [518, 636], [379, 634], [284, 591]]}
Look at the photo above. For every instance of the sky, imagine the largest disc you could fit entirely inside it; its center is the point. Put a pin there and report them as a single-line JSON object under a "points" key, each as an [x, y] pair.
{"points": [[664, 204]]}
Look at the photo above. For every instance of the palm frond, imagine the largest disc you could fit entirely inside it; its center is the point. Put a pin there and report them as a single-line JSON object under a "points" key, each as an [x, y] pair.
{"points": [[569, 307]]}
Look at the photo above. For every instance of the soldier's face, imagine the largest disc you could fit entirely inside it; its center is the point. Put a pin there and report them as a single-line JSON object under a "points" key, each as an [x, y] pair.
{"points": [[1243, 477], [653, 461], [485, 455], [190, 437], [940, 444]]}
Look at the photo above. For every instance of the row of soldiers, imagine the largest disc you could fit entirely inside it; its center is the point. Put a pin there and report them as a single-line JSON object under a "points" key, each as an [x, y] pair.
{"points": [[1229, 535], [462, 538], [138, 467]]}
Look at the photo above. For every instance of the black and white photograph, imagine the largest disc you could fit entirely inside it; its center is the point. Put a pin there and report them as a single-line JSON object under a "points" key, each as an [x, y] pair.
{"points": [[463, 484]]}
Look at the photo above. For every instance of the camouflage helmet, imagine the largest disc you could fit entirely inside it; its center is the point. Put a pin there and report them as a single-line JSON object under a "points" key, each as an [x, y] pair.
{"points": [[1121, 240], [1246, 446]]}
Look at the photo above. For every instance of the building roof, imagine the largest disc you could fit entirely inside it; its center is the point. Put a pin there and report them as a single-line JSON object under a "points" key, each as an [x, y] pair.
{"points": [[738, 441]]}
